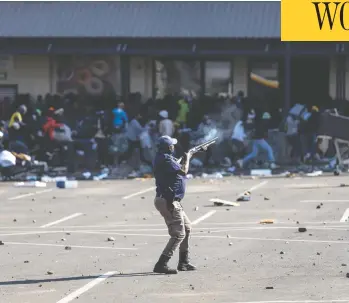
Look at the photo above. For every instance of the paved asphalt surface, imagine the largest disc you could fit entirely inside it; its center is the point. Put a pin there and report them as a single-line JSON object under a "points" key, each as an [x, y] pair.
{"points": [[238, 258]]}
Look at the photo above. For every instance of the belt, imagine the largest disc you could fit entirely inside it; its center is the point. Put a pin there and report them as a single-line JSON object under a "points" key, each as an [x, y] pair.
{"points": [[175, 199]]}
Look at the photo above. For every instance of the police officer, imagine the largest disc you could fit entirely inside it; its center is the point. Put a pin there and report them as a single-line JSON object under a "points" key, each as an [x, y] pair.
{"points": [[170, 189]]}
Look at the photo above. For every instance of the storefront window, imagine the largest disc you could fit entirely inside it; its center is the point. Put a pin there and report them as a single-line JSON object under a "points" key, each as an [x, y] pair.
{"points": [[217, 77], [262, 91], [177, 77], [94, 76]]}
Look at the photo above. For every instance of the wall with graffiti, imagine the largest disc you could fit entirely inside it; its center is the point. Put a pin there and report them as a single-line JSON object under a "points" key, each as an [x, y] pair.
{"points": [[93, 76]]}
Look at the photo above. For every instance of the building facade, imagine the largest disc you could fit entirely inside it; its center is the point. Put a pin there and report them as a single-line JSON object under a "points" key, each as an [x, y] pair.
{"points": [[158, 48]]}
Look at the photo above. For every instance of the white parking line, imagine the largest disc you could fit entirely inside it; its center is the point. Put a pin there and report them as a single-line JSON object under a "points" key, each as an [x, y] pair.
{"points": [[254, 187], [345, 216], [62, 220], [139, 193], [324, 201], [87, 287], [296, 301], [205, 216], [30, 194], [73, 246]]}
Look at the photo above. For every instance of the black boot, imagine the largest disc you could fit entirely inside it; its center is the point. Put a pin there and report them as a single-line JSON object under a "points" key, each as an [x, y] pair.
{"points": [[162, 268], [184, 264]]}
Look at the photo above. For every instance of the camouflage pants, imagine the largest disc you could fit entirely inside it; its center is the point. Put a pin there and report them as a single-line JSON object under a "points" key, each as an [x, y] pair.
{"points": [[178, 225]]}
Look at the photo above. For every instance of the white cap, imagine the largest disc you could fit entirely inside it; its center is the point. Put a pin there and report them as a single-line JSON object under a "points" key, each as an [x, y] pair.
{"points": [[163, 114]]}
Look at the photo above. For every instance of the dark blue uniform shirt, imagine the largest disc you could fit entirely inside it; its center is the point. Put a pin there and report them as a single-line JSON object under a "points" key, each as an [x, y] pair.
{"points": [[167, 177]]}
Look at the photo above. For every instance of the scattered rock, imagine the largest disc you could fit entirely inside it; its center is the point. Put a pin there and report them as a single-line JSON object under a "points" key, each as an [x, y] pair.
{"points": [[282, 253], [321, 204], [111, 239], [348, 275], [302, 229], [142, 198], [344, 185], [14, 220], [230, 244], [196, 208], [68, 234], [297, 222], [67, 248], [63, 239], [34, 221], [144, 219], [310, 235], [269, 287], [266, 199], [26, 261], [318, 253], [268, 221], [2, 243], [228, 236], [40, 285], [318, 207], [50, 272], [343, 264]]}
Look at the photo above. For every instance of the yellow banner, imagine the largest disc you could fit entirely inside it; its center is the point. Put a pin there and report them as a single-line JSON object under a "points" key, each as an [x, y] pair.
{"points": [[305, 20]]}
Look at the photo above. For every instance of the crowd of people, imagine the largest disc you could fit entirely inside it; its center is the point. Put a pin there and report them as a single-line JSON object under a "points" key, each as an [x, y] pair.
{"points": [[59, 129]]}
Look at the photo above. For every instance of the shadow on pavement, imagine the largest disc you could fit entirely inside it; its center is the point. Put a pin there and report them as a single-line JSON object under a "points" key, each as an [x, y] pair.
{"points": [[123, 275]]}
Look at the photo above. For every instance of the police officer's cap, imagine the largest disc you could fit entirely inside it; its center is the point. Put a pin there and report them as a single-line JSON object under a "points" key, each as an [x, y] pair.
{"points": [[167, 141]]}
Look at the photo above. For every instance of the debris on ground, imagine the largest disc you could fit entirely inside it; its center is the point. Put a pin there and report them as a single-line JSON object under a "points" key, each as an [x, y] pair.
{"points": [[266, 199], [282, 253], [230, 244], [14, 220], [50, 272], [267, 221], [30, 184], [344, 185], [347, 275], [302, 229], [269, 287], [26, 261], [111, 239], [34, 221], [343, 264], [196, 208], [219, 202], [246, 196], [315, 173], [63, 239], [2, 243], [318, 207], [318, 253], [67, 248], [67, 184], [261, 172]]}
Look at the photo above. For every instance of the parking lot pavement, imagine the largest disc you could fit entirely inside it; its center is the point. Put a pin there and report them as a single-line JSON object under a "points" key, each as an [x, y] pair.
{"points": [[56, 246]]}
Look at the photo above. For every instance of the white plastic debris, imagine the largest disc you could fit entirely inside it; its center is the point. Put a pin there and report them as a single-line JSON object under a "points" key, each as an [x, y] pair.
{"points": [[261, 172], [315, 173], [67, 184], [189, 176], [30, 184], [218, 175], [100, 177]]}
